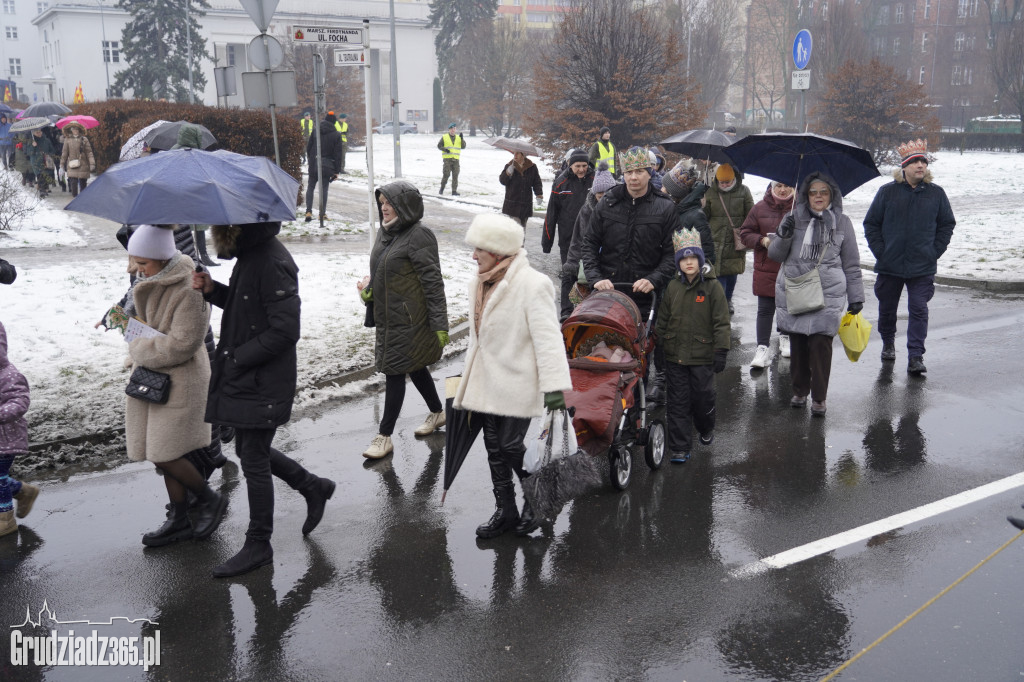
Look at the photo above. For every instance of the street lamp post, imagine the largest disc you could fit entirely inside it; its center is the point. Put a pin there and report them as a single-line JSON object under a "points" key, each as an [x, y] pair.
{"points": [[188, 40]]}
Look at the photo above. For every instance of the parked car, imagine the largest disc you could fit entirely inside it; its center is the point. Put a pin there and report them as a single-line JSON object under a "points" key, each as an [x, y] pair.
{"points": [[405, 128]]}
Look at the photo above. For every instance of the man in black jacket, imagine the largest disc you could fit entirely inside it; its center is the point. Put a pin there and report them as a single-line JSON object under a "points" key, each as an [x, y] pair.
{"points": [[331, 149], [568, 194], [630, 237], [252, 382]]}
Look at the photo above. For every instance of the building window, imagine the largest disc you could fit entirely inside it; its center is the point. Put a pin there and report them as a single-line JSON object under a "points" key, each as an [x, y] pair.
{"points": [[883, 15], [924, 42], [824, 11], [968, 75], [920, 77], [974, 8], [958, 41], [12, 32], [41, 7], [961, 8], [895, 46], [515, 18], [111, 51], [957, 75], [231, 54], [927, 8], [898, 14], [14, 66], [8, 6], [538, 18]]}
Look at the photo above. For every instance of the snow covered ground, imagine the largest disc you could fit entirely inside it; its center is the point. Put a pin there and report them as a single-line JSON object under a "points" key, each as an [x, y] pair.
{"points": [[76, 371]]}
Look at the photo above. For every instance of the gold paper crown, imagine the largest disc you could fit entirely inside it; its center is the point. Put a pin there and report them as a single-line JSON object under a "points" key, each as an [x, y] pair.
{"points": [[686, 238], [634, 158], [913, 148]]}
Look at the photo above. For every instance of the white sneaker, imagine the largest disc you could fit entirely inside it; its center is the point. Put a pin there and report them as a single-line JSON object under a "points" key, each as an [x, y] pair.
{"points": [[380, 446], [784, 345], [433, 422], [762, 356]]}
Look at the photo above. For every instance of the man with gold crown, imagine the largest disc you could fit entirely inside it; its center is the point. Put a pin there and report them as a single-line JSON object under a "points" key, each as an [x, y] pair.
{"points": [[908, 228]]}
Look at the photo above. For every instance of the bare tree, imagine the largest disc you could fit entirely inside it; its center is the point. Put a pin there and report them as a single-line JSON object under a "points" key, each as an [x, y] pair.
{"points": [[615, 64], [712, 43], [839, 37], [344, 87], [769, 36], [15, 203], [1006, 38]]}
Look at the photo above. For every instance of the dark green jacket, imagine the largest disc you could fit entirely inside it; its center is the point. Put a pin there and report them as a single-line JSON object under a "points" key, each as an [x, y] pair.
{"points": [[408, 293], [693, 321], [720, 207]]}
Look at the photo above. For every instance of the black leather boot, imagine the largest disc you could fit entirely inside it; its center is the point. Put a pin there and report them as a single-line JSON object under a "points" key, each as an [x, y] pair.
{"points": [[527, 522], [212, 506], [505, 516], [316, 499], [176, 527], [254, 553], [656, 392]]}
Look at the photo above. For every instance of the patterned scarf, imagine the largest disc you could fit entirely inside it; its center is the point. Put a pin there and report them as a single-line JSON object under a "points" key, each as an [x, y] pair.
{"points": [[485, 287], [818, 234]]}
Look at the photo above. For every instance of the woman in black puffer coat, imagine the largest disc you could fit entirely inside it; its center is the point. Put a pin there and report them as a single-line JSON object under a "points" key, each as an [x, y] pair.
{"points": [[409, 309]]}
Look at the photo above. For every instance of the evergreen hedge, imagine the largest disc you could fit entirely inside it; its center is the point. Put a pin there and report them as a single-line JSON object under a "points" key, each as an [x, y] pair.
{"points": [[988, 142], [243, 131]]}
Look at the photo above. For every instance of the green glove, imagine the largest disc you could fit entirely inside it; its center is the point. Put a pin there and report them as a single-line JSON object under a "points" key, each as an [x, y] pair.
{"points": [[554, 401], [366, 294], [442, 338]]}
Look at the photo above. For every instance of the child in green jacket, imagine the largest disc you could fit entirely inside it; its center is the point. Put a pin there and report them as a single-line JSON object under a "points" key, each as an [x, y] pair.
{"points": [[693, 330]]}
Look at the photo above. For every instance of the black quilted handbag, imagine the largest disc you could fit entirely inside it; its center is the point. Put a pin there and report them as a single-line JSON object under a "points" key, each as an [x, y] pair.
{"points": [[145, 384]]}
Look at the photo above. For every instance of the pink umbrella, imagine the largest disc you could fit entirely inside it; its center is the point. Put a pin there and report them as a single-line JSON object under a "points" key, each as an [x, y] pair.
{"points": [[85, 121], [20, 114]]}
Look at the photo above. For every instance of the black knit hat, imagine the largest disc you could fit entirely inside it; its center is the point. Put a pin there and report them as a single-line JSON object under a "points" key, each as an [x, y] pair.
{"points": [[577, 155]]}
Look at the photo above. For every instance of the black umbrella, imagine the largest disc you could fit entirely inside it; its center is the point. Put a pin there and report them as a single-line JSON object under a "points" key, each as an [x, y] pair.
{"points": [[461, 428], [165, 136], [46, 108], [789, 158], [700, 144]]}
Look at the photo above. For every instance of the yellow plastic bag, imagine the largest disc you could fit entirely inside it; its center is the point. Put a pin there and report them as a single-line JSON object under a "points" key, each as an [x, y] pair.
{"points": [[854, 331]]}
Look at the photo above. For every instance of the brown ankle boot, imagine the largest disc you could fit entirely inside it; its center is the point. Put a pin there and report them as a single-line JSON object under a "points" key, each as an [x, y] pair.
{"points": [[7, 523]]}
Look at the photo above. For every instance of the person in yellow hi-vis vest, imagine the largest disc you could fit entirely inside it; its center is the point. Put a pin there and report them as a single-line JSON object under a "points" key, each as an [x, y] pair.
{"points": [[451, 145], [341, 125], [307, 129], [604, 150]]}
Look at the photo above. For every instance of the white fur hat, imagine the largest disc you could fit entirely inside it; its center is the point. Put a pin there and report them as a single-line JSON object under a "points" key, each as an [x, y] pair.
{"points": [[496, 234], [152, 242]]}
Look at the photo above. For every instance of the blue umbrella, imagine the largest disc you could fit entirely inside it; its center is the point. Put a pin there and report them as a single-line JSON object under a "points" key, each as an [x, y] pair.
{"points": [[789, 158], [191, 186]]}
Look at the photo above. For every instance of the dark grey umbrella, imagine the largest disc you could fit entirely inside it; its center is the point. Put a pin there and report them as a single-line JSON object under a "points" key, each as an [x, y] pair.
{"points": [[700, 144], [46, 108], [165, 136], [191, 186]]}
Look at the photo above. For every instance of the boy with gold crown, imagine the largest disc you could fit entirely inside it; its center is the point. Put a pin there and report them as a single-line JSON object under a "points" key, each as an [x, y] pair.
{"points": [[694, 333]]}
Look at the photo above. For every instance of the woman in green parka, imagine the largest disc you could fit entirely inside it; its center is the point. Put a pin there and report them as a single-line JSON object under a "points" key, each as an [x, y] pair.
{"points": [[409, 309], [726, 204]]}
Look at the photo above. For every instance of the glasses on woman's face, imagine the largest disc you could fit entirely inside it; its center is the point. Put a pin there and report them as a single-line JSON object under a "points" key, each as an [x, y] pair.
{"points": [[818, 192]]}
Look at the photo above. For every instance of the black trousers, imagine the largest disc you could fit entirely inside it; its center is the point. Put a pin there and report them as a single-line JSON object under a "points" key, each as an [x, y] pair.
{"points": [[810, 363], [504, 440], [765, 317], [690, 403], [260, 463], [312, 187], [394, 396]]}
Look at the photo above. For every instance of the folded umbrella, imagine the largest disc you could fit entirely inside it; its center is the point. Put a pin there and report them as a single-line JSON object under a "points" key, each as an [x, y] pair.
{"points": [[29, 123], [513, 146], [86, 122], [46, 108], [700, 144], [461, 428], [136, 144], [165, 136], [789, 158], [191, 186]]}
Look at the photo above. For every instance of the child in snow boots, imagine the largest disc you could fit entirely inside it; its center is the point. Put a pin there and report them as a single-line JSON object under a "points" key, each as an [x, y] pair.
{"points": [[13, 441], [693, 330]]}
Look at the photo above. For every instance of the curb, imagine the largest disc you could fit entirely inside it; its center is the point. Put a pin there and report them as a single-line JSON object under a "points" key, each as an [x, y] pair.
{"points": [[102, 437], [995, 286]]}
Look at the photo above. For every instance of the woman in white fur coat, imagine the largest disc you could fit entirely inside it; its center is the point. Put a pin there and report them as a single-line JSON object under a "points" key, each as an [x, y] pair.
{"points": [[163, 433], [516, 364]]}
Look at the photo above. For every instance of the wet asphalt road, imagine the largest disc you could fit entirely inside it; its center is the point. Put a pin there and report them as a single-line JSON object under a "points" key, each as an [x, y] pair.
{"points": [[626, 585]]}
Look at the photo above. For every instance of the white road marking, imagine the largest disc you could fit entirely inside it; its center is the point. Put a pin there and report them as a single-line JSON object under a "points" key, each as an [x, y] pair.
{"points": [[870, 530]]}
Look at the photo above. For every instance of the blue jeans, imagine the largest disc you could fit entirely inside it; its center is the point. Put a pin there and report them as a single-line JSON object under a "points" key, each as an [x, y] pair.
{"points": [[920, 290], [728, 283], [9, 487]]}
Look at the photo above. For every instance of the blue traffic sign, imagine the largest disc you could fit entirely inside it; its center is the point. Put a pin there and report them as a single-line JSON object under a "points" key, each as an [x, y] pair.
{"points": [[802, 49]]}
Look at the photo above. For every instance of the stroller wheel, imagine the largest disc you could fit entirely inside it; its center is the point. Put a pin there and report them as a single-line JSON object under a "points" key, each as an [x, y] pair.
{"points": [[654, 451], [621, 466]]}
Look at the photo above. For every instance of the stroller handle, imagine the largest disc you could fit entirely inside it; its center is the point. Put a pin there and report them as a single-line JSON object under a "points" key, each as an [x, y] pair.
{"points": [[627, 288]]}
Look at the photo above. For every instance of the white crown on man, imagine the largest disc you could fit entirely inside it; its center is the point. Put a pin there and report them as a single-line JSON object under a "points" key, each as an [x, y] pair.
{"points": [[913, 150]]}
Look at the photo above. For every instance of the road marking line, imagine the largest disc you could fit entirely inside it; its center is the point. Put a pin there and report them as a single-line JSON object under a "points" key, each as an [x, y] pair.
{"points": [[870, 530]]}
